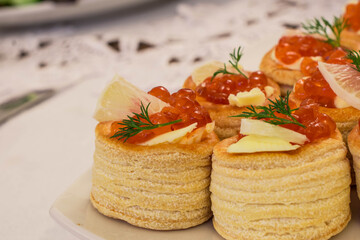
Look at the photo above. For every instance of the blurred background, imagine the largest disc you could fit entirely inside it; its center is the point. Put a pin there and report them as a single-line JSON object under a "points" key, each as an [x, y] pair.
{"points": [[56, 57], [53, 44]]}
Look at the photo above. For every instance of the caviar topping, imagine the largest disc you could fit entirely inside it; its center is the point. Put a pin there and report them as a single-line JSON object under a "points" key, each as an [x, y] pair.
{"points": [[308, 120], [183, 110], [292, 48], [217, 90], [315, 87], [317, 125], [352, 16]]}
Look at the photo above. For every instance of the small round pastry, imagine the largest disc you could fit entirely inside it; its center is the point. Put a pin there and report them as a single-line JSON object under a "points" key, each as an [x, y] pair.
{"points": [[161, 187], [292, 58], [296, 54], [229, 94], [152, 170], [284, 194], [350, 37]]}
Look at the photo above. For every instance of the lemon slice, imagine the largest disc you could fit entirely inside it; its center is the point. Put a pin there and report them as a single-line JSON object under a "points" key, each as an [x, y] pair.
{"points": [[120, 99], [344, 81]]}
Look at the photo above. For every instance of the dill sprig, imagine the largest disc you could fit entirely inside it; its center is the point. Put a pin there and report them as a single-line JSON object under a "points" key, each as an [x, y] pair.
{"points": [[280, 105], [235, 59], [322, 27], [137, 123], [354, 56]]}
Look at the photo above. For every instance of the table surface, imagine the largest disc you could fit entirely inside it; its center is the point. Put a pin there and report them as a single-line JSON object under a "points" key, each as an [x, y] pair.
{"points": [[45, 149]]}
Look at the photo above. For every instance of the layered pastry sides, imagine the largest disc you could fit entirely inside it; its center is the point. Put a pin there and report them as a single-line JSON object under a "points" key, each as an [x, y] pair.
{"points": [[162, 187], [301, 194], [354, 146]]}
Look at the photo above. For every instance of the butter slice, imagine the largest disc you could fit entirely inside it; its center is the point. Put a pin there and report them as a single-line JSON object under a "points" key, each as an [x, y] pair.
{"points": [[170, 137], [256, 143], [340, 103], [254, 97]]}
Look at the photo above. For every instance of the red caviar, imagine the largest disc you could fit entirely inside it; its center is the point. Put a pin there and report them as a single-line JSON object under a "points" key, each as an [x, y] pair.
{"points": [[352, 16], [315, 86], [182, 105], [217, 90], [292, 48], [318, 125]]}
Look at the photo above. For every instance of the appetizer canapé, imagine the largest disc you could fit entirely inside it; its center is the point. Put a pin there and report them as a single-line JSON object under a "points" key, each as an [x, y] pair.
{"points": [[286, 181], [152, 166], [296, 54], [225, 90]]}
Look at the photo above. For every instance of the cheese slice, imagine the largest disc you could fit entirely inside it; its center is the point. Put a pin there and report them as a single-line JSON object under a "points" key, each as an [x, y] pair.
{"points": [[256, 143], [258, 127], [170, 137], [254, 97]]}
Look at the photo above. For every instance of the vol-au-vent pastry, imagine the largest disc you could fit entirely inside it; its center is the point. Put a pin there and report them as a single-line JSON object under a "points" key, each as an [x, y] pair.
{"points": [[284, 179], [350, 37], [354, 146], [334, 86], [297, 53], [152, 157], [227, 89]]}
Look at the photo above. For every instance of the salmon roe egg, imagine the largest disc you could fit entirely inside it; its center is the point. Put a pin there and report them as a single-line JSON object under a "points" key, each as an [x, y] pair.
{"points": [[217, 90], [291, 48], [182, 105], [352, 16]]}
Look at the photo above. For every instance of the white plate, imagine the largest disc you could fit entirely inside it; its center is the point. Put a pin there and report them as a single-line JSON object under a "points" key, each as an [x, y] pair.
{"points": [[44, 12], [74, 212]]}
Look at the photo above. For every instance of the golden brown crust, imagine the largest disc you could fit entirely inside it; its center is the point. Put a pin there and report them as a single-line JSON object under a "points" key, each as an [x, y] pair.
{"points": [[161, 187], [331, 229], [277, 72], [350, 39], [300, 194], [354, 146], [224, 125]]}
